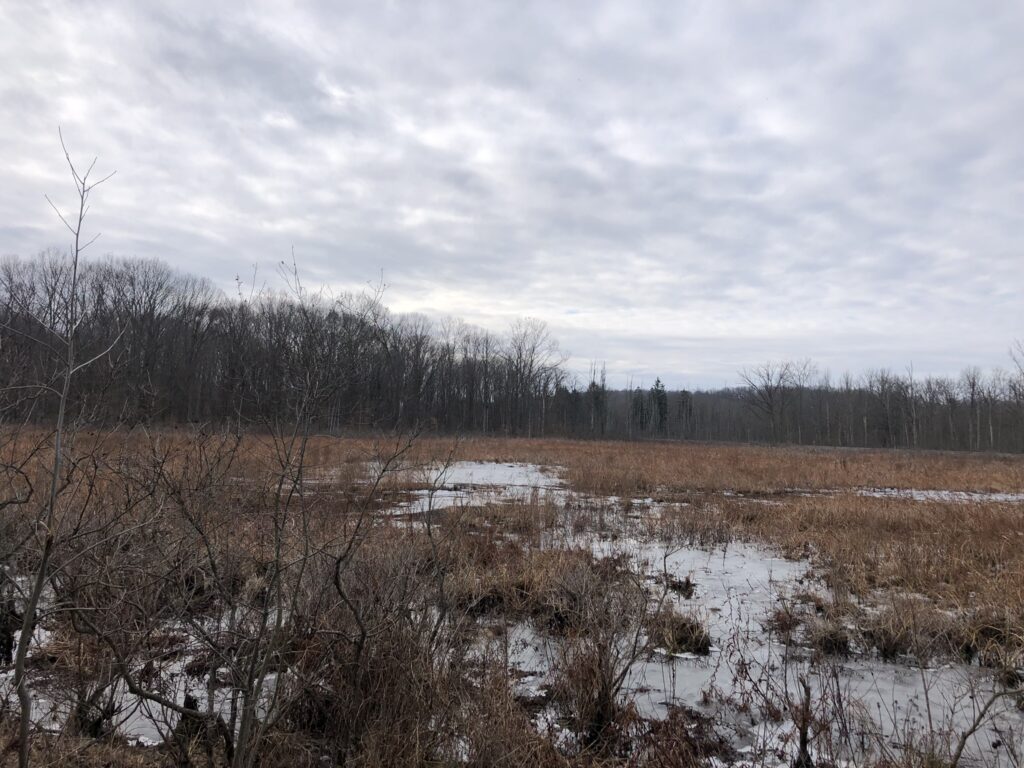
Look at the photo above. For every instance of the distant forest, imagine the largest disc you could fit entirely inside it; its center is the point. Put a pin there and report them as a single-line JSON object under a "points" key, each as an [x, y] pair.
{"points": [[168, 348]]}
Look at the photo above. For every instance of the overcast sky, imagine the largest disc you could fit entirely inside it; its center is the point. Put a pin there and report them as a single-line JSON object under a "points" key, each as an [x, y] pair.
{"points": [[679, 189]]}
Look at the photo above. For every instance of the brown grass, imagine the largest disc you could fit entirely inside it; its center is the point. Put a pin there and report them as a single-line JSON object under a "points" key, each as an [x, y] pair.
{"points": [[679, 632], [917, 578], [622, 468]]}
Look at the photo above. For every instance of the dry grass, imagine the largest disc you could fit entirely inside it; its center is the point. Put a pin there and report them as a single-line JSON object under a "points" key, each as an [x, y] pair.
{"points": [[59, 750], [962, 562], [917, 579], [956, 553], [679, 632], [829, 637], [632, 469], [960, 555], [625, 468]]}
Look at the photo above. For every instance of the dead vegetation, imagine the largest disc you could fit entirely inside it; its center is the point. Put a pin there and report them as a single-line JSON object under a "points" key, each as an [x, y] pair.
{"points": [[310, 626], [679, 632]]}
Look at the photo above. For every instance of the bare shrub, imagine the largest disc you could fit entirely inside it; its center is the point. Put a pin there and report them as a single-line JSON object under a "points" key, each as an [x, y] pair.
{"points": [[605, 609]]}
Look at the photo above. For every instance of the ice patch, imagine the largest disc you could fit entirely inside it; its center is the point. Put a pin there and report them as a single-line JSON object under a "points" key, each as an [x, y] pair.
{"points": [[963, 497], [478, 483]]}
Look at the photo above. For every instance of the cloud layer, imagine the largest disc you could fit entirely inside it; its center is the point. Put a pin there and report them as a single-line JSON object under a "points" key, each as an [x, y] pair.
{"points": [[679, 189]]}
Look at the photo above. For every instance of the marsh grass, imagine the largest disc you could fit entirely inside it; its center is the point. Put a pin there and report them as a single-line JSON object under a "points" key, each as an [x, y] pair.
{"points": [[679, 632], [914, 579]]}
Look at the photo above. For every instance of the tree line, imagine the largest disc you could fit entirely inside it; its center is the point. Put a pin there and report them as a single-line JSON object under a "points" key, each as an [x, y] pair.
{"points": [[172, 348], [793, 402]]}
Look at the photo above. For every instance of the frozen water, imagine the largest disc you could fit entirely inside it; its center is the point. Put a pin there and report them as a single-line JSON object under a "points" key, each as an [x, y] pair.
{"points": [[737, 588], [477, 483], [481, 473], [963, 497]]}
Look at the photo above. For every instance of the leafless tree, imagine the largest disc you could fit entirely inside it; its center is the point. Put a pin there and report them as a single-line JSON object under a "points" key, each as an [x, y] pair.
{"points": [[59, 333], [768, 387]]}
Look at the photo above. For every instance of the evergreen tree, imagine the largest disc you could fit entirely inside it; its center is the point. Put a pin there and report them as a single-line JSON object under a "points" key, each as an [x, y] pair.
{"points": [[659, 407]]}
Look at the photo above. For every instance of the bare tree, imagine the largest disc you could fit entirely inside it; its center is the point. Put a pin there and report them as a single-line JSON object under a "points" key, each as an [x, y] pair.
{"points": [[61, 330], [768, 385]]}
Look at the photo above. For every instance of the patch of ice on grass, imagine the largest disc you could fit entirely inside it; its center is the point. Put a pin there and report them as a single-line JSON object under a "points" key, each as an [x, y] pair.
{"points": [[484, 473], [737, 587], [478, 483], [963, 497]]}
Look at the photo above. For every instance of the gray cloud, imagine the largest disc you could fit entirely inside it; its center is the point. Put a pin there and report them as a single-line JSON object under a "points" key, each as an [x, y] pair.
{"points": [[681, 189]]}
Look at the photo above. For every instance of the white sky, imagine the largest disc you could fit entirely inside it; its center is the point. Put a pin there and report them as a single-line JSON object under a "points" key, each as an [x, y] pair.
{"points": [[679, 189]]}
